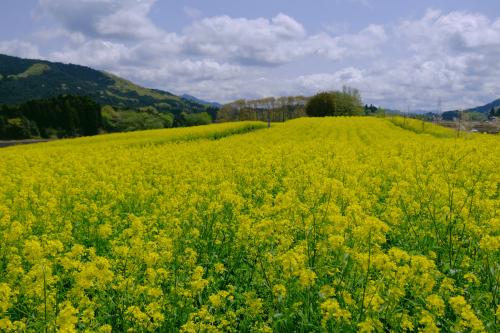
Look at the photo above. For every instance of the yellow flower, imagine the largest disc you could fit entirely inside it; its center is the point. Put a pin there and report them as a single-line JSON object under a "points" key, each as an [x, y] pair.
{"points": [[219, 268], [331, 310], [471, 278], [279, 291], [428, 323], [5, 294], [33, 250], [105, 230], [369, 325], [219, 298], [326, 291], [467, 318], [407, 323], [306, 277], [66, 319], [197, 281], [335, 241], [105, 329], [254, 304], [435, 303], [490, 243]]}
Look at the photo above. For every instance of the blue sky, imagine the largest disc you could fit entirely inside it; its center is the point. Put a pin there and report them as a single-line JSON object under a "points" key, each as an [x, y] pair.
{"points": [[400, 54]]}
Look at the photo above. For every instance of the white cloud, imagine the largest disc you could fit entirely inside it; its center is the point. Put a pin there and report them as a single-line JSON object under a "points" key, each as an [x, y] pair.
{"points": [[318, 82], [48, 34], [449, 56], [248, 42], [120, 19], [455, 32], [19, 48], [252, 42], [96, 53], [275, 42], [364, 44], [452, 56]]}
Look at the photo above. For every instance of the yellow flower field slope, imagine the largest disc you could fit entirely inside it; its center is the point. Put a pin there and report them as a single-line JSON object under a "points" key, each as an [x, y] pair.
{"points": [[313, 225]]}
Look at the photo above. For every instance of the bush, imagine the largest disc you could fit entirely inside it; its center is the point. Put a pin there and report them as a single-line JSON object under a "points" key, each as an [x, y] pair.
{"points": [[132, 120], [196, 119], [334, 103]]}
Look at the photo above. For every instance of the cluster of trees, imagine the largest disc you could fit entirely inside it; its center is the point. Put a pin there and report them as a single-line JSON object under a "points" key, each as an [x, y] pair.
{"points": [[463, 115], [71, 116], [63, 116], [494, 113], [194, 119], [127, 120], [335, 103], [274, 109]]}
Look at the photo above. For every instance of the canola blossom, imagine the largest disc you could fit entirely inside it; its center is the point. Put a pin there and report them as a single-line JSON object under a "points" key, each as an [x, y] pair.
{"points": [[313, 225]]}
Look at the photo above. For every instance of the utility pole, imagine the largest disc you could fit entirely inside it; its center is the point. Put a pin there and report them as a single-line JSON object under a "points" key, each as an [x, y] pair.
{"points": [[460, 112], [439, 109]]}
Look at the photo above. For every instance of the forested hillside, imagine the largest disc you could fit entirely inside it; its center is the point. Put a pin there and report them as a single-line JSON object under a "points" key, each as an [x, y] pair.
{"points": [[22, 80], [63, 116]]}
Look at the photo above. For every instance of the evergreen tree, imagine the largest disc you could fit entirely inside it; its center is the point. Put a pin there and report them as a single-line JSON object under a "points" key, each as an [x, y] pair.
{"points": [[68, 116]]}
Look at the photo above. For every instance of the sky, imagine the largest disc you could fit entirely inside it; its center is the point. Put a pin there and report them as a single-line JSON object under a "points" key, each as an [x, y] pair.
{"points": [[399, 54]]}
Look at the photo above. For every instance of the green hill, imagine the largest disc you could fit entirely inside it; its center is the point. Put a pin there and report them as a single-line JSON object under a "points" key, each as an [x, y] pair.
{"points": [[22, 80], [481, 111]]}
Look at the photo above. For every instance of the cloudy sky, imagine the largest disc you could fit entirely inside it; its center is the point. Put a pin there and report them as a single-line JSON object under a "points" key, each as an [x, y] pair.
{"points": [[400, 54]]}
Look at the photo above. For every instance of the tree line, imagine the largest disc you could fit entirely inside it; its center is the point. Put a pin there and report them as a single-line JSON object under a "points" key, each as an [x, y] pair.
{"points": [[58, 117], [144, 118], [275, 109], [71, 116], [330, 103]]}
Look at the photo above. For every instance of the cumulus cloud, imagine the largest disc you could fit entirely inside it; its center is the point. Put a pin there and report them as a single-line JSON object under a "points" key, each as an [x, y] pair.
{"points": [[97, 53], [455, 32], [317, 82], [204, 78], [450, 56], [120, 19], [19, 48], [453, 54], [275, 42], [248, 42], [364, 44], [253, 42]]}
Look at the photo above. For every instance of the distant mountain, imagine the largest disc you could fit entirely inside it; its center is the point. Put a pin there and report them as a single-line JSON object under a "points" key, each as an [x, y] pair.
{"points": [[200, 101], [486, 108], [22, 80]]}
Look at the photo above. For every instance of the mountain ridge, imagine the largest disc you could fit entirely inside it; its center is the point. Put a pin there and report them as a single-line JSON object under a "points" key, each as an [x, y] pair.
{"points": [[486, 108], [201, 101], [22, 80]]}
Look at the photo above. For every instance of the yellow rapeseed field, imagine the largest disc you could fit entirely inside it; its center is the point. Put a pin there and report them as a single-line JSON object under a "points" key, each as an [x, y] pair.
{"points": [[314, 225]]}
